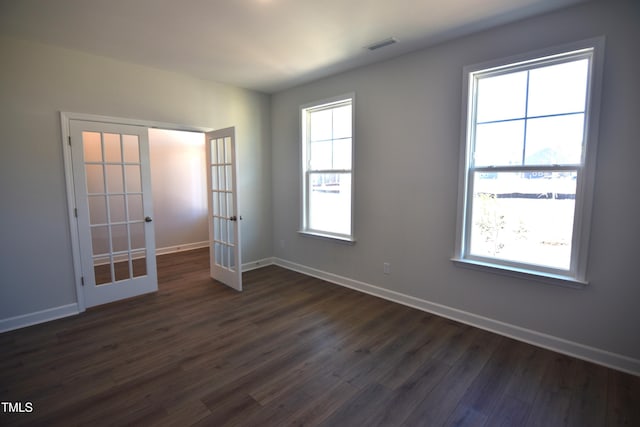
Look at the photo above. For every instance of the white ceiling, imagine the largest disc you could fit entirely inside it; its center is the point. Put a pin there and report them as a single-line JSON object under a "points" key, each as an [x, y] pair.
{"points": [[266, 45]]}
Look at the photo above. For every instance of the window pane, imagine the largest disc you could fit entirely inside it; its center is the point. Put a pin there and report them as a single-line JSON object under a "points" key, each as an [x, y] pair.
{"points": [[502, 97], [119, 238], [342, 154], [558, 89], [116, 209], [100, 240], [321, 155], [220, 155], [222, 182], [131, 148], [228, 177], [95, 178], [97, 210], [102, 271], [321, 125], [342, 122], [214, 177], [137, 236], [121, 268], [555, 140], [139, 263], [112, 151], [92, 146], [227, 150], [499, 144], [136, 210], [524, 217], [134, 181], [229, 204], [330, 203], [213, 146], [114, 179]]}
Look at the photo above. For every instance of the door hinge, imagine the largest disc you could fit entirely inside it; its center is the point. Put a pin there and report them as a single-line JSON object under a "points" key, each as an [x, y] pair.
{"points": [[82, 280], [69, 139], [75, 212]]}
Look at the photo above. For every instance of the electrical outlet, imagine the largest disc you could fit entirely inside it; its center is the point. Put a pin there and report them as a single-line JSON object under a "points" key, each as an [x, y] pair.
{"points": [[386, 268]]}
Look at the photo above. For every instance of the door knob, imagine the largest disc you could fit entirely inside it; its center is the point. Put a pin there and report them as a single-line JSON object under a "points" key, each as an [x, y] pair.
{"points": [[148, 219], [233, 218]]}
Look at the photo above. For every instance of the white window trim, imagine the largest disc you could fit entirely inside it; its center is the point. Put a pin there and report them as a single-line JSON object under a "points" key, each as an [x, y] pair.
{"points": [[304, 201], [577, 274]]}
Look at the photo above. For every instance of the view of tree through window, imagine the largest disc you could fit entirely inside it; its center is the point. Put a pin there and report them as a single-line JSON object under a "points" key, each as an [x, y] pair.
{"points": [[525, 153]]}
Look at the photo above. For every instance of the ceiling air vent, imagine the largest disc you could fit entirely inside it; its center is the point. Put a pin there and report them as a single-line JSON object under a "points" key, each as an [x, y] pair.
{"points": [[382, 43]]}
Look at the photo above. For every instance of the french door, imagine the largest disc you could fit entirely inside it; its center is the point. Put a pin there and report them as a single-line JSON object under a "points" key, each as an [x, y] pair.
{"points": [[224, 230], [112, 187]]}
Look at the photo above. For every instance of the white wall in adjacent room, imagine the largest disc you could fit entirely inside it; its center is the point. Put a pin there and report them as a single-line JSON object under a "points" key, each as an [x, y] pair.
{"points": [[178, 184]]}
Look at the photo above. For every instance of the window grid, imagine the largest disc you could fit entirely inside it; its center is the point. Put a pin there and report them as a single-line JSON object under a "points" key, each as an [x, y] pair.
{"points": [[327, 173], [125, 252], [572, 168]]}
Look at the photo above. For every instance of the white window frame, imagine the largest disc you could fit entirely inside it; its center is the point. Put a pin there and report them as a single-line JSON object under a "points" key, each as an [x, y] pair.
{"points": [[306, 172], [575, 276]]}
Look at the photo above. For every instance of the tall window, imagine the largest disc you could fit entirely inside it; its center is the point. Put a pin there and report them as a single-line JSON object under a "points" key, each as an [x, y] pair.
{"points": [[526, 187], [327, 161]]}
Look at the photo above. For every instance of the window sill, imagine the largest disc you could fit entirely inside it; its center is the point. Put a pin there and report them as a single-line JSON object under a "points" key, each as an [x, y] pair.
{"points": [[325, 236], [538, 276]]}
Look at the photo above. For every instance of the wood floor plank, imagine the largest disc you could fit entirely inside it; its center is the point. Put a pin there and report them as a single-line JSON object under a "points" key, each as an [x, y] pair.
{"points": [[440, 403], [465, 416], [510, 412], [325, 394], [188, 412], [488, 389], [290, 382], [404, 400], [435, 333], [358, 410], [589, 388], [623, 402], [291, 350], [552, 402]]}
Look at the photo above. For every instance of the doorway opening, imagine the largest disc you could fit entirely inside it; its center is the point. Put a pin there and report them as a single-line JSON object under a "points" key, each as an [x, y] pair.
{"points": [[178, 188], [111, 205]]}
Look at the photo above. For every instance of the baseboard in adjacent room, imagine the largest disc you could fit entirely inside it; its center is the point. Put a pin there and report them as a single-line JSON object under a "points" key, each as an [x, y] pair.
{"points": [[181, 248], [159, 251], [253, 265]]}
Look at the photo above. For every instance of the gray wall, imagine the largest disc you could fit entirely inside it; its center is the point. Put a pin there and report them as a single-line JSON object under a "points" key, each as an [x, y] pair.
{"points": [[407, 148], [39, 81]]}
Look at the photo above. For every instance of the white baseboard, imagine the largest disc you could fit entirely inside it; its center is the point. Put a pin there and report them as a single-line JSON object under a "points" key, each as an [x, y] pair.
{"points": [[182, 248], [253, 265], [159, 251], [560, 345], [47, 315]]}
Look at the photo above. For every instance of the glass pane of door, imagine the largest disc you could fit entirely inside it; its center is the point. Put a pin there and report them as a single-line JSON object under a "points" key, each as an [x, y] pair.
{"points": [[112, 170]]}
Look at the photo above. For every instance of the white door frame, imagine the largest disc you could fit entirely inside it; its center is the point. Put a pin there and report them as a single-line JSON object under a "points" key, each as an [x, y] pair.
{"points": [[65, 117]]}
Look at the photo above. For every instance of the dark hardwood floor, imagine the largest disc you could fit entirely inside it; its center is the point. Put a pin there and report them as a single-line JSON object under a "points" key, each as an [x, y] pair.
{"points": [[292, 350]]}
